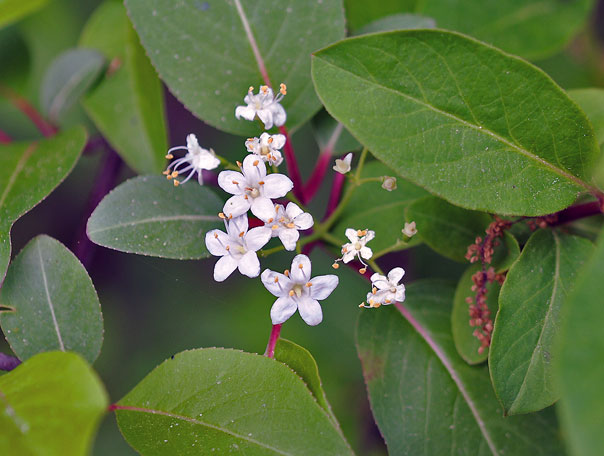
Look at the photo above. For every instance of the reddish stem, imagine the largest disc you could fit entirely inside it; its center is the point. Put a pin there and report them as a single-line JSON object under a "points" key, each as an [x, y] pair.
{"points": [[570, 214], [7, 362], [334, 196], [4, 138], [292, 166], [316, 178], [272, 341], [45, 127]]}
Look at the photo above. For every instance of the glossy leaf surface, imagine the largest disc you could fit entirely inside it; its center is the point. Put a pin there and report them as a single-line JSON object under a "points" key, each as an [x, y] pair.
{"points": [[592, 102], [397, 22]]}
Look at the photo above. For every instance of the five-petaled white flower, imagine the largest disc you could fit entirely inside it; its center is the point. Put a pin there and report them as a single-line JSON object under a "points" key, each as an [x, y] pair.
{"points": [[386, 290], [237, 247], [296, 290], [410, 230], [287, 221], [267, 148], [265, 105], [196, 159], [356, 247], [343, 166], [253, 189]]}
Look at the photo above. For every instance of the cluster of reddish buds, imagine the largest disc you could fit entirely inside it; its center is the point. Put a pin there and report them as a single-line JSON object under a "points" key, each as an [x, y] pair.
{"points": [[542, 222], [482, 250]]}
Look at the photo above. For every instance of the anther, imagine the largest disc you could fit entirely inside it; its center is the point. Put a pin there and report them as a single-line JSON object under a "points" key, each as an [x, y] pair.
{"points": [[283, 89], [290, 225], [175, 174], [264, 88], [363, 270], [215, 235], [228, 248], [239, 163], [275, 227], [166, 172], [270, 220], [241, 234], [359, 233], [300, 266], [255, 163], [291, 292], [374, 290], [361, 305], [270, 140], [176, 183], [286, 273], [388, 301], [169, 156], [335, 265], [276, 279], [235, 182], [251, 89], [261, 183], [221, 215], [308, 284]]}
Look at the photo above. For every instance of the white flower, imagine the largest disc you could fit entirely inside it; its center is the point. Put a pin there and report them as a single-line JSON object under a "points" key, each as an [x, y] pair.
{"points": [[237, 247], [343, 166], [386, 290], [296, 290], [356, 247], [389, 183], [267, 147], [286, 223], [410, 230], [196, 159], [265, 105], [253, 189]]}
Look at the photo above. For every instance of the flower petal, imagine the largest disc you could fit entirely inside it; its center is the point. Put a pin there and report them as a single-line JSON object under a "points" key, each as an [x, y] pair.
{"points": [[293, 210], [254, 169], [289, 237], [304, 221], [263, 208], [282, 309], [310, 310], [278, 141], [249, 264], [349, 256], [266, 116], [256, 238], [366, 252], [216, 241], [369, 236], [236, 226], [352, 235], [301, 269], [395, 275], [277, 284], [277, 185], [224, 267], [400, 293], [247, 112], [236, 206], [231, 182], [279, 115], [322, 286], [207, 160]]}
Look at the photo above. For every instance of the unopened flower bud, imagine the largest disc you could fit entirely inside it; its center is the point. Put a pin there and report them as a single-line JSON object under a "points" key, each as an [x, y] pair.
{"points": [[410, 230], [389, 183]]}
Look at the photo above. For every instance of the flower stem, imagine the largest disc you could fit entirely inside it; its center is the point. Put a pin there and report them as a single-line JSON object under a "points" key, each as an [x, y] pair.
{"points": [[393, 248], [335, 194], [26, 108], [316, 178], [373, 265], [4, 138], [292, 166], [8, 363], [272, 341], [570, 214]]}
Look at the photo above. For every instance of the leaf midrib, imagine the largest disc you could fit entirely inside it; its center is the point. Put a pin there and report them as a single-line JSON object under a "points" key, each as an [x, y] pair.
{"points": [[18, 168], [49, 299], [159, 219], [479, 128]]}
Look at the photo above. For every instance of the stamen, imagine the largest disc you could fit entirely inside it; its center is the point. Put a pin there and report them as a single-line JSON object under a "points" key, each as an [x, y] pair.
{"points": [[374, 290], [359, 233], [174, 173], [241, 234], [291, 292], [176, 183], [270, 140], [235, 182], [290, 225], [255, 163], [275, 227], [286, 273], [388, 301], [363, 270], [276, 279], [169, 156], [264, 88], [283, 89], [251, 89], [308, 284], [301, 266], [361, 305], [166, 172], [261, 183], [221, 215], [335, 265], [239, 163], [270, 220], [215, 235], [227, 248]]}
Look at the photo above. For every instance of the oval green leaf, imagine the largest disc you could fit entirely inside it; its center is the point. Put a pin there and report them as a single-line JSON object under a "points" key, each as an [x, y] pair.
{"points": [[50, 405], [52, 303], [521, 358], [217, 400], [426, 400], [29, 171], [592, 102], [127, 105], [210, 52], [149, 216], [13, 10], [478, 127], [397, 22], [330, 134]]}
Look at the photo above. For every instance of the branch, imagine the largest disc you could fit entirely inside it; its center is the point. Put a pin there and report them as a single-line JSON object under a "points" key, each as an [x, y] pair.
{"points": [[4, 138], [7, 362], [292, 166], [45, 127]]}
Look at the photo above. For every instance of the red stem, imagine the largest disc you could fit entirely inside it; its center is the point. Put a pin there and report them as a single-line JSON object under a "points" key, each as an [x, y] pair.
{"points": [[577, 212], [334, 196], [4, 138], [272, 341], [45, 127], [292, 166], [316, 178]]}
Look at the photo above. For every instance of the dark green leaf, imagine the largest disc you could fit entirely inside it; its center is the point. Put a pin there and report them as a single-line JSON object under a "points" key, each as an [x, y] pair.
{"points": [[580, 370], [149, 216], [50, 405], [127, 105], [466, 343], [221, 401], [397, 22], [70, 75], [29, 171], [468, 122], [380, 210], [361, 12], [426, 400], [592, 102], [520, 358], [52, 301], [203, 53], [13, 10], [330, 133]]}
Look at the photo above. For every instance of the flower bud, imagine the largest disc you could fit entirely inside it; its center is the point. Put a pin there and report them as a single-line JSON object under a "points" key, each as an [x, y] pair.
{"points": [[389, 183]]}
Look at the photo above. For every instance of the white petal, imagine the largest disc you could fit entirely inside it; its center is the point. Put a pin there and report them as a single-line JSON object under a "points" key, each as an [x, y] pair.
{"points": [[224, 267], [264, 137], [278, 140], [279, 116], [289, 237], [304, 221], [375, 277], [310, 311], [293, 210], [237, 225], [280, 287], [400, 293], [192, 143], [322, 286], [207, 160], [282, 309], [216, 241], [277, 185], [369, 236], [249, 264], [352, 235], [349, 256], [252, 144], [247, 112], [231, 182], [277, 158], [301, 268], [254, 169], [256, 238], [366, 252], [348, 159], [235, 206], [396, 275], [266, 116], [263, 208]]}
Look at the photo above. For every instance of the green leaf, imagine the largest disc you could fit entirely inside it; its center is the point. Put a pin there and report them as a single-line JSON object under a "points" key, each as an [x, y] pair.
{"points": [[149, 216], [362, 12], [52, 303], [302, 363], [217, 400], [70, 75], [397, 22], [580, 369], [204, 54], [426, 400], [483, 129], [466, 344], [13, 10], [380, 210], [521, 357], [127, 105], [29, 171], [50, 405], [592, 102], [327, 130]]}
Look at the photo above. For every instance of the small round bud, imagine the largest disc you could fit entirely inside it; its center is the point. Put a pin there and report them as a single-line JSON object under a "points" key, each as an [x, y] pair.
{"points": [[389, 183]]}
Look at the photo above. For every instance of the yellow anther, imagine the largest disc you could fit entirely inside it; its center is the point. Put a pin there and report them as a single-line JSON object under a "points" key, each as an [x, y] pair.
{"points": [[169, 156], [255, 163], [301, 266], [286, 273], [221, 215], [291, 292], [235, 182], [176, 183], [261, 183], [168, 176], [270, 220], [335, 265], [166, 172], [359, 233], [308, 284], [250, 139], [270, 140], [174, 173], [251, 89], [228, 248], [361, 305], [344, 249], [363, 270], [374, 290], [241, 234], [274, 227], [264, 88], [376, 305], [388, 301], [290, 225], [245, 197], [276, 279], [215, 235], [239, 163], [283, 89]]}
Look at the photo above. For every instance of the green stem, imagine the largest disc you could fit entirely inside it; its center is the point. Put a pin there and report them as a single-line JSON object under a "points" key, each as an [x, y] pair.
{"points": [[393, 248], [373, 265], [362, 159], [328, 237], [227, 164]]}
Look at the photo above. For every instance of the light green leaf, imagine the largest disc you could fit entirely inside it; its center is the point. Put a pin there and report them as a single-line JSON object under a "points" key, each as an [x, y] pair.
{"points": [[149, 216], [52, 301], [580, 370], [397, 22], [29, 171], [592, 102], [70, 75], [521, 357], [217, 400], [426, 400], [50, 405], [13, 10], [210, 52], [466, 343], [127, 105], [330, 133], [380, 210], [480, 128], [362, 12]]}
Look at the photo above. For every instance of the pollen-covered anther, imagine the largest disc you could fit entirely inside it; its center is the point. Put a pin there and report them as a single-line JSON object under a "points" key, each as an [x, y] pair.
{"points": [[221, 215], [242, 234], [227, 248], [176, 183], [169, 156], [166, 172], [335, 265], [270, 140], [283, 89], [276, 279], [363, 270], [239, 163], [374, 290], [361, 305], [256, 162], [251, 89], [291, 225], [215, 235], [275, 227], [174, 174], [359, 232], [301, 266], [261, 183], [270, 220], [291, 292], [286, 273], [308, 284], [235, 183]]}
